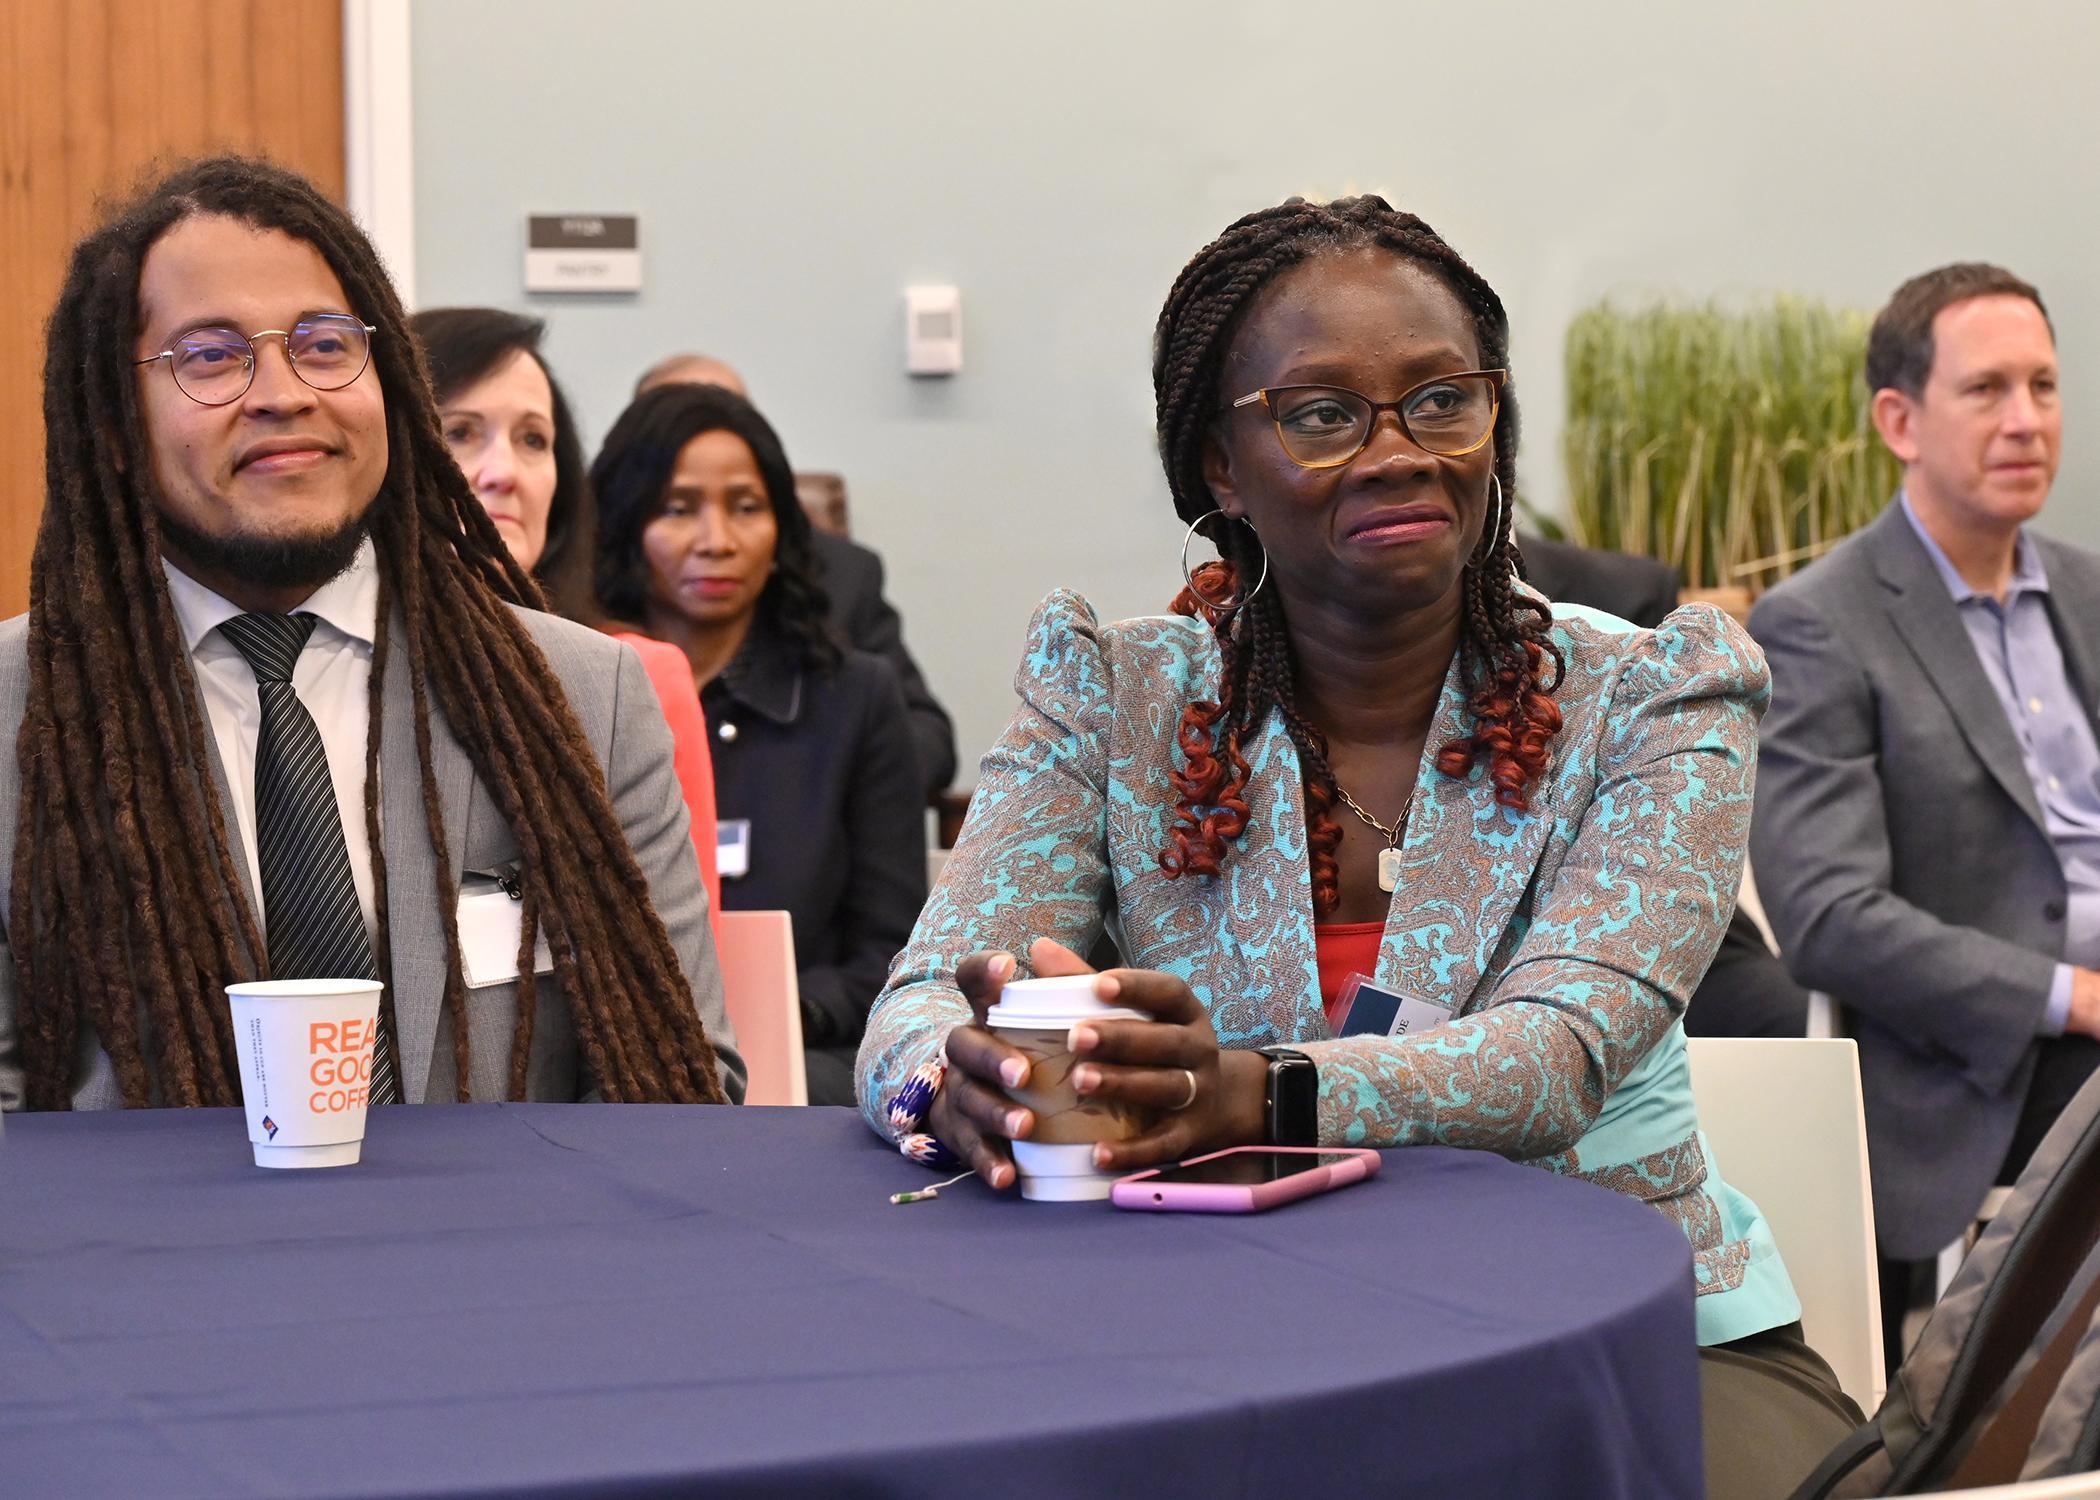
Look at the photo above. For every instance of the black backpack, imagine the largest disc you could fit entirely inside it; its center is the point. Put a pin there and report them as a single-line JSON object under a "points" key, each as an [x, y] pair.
{"points": [[2004, 1383]]}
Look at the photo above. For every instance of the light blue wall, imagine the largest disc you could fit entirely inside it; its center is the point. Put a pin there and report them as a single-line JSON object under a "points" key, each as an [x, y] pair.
{"points": [[796, 163]]}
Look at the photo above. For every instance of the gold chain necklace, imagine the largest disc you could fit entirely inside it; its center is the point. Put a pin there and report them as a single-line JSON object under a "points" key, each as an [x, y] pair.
{"points": [[1389, 856]]}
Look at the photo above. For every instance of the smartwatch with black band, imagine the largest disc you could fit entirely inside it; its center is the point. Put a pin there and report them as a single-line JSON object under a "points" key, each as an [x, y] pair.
{"points": [[1293, 1111]]}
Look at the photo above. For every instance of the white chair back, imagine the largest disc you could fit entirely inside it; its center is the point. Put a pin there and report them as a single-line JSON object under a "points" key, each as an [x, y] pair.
{"points": [[1822, 1013], [764, 1001], [1785, 1125]]}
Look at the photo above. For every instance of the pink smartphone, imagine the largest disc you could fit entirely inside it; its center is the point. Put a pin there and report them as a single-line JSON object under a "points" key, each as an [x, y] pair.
{"points": [[1243, 1180]]}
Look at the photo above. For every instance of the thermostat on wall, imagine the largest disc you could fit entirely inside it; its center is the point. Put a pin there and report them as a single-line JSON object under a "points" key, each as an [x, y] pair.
{"points": [[932, 330]]}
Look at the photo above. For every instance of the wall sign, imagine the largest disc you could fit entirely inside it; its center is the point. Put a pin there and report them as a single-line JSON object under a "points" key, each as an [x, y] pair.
{"points": [[583, 253]]}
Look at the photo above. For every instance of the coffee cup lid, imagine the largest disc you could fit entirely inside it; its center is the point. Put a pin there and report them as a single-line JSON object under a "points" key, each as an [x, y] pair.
{"points": [[1057, 1001]]}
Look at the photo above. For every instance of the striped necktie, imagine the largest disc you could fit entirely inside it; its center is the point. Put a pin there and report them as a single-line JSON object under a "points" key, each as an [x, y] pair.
{"points": [[316, 929]]}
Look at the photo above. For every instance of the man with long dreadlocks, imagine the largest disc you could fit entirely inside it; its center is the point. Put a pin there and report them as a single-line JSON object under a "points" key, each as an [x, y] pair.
{"points": [[1358, 745], [281, 692]]}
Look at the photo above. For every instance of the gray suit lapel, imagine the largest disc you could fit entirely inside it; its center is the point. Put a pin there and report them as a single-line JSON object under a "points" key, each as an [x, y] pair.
{"points": [[2074, 610], [1929, 623], [416, 935]]}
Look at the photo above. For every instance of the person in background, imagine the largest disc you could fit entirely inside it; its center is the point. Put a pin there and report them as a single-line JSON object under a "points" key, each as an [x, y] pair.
{"points": [[508, 425], [280, 697], [853, 581], [1639, 590], [823, 495], [691, 369], [1747, 990], [702, 543], [1928, 802], [1356, 746]]}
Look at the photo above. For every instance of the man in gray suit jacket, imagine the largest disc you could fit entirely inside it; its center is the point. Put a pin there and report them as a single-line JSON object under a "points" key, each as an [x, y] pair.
{"points": [[1927, 834], [251, 515]]}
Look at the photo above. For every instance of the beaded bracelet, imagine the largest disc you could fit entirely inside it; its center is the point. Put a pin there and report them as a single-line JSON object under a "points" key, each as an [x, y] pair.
{"points": [[907, 1112]]}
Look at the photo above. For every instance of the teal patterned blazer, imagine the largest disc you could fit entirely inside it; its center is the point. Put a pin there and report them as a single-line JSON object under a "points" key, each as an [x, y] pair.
{"points": [[1567, 938]]}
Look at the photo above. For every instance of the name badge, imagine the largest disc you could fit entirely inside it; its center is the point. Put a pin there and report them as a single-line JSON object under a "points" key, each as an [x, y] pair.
{"points": [[490, 925], [733, 848], [1374, 1011]]}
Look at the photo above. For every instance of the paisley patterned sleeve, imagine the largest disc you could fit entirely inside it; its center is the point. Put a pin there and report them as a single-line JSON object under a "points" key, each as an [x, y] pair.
{"points": [[1620, 935], [1031, 861]]}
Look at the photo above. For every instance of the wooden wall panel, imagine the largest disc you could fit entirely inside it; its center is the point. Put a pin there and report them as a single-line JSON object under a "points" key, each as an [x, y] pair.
{"points": [[93, 92]]}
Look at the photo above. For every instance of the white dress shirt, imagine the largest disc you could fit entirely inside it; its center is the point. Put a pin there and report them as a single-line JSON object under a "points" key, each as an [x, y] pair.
{"points": [[333, 679]]}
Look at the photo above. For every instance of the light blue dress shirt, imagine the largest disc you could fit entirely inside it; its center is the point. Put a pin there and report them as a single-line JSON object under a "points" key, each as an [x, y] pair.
{"points": [[2016, 642]]}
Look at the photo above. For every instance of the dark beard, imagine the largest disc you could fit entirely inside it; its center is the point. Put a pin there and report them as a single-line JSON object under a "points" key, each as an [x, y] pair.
{"points": [[274, 562]]}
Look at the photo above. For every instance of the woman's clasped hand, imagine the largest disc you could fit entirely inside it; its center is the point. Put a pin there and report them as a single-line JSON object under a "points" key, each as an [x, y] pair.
{"points": [[1196, 1095]]}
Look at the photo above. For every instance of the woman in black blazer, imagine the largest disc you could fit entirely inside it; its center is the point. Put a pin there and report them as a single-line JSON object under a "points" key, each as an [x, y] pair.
{"points": [[702, 543]]}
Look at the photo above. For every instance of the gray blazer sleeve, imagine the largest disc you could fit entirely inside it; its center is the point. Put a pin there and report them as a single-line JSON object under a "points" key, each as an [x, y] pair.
{"points": [[1820, 845], [651, 808]]}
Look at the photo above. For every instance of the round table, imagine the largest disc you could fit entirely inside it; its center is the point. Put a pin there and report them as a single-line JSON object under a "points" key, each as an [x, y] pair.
{"points": [[654, 1300]]}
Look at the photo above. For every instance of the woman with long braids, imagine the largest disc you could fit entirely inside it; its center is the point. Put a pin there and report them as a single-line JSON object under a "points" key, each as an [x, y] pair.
{"points": [[1358, 744], [259, 569]]}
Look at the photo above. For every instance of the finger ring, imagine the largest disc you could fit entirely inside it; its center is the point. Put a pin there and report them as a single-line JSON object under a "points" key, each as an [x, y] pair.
{"points": [[1189, 1074]]}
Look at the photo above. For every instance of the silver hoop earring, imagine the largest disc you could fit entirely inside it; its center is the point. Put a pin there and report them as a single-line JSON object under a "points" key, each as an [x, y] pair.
{"points": [[1188, 577], [1492, 536]]}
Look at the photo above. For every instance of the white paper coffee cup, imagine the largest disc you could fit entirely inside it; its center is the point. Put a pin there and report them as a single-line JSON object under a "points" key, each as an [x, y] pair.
{"points": [[305, 1051], [1056, 1163]]}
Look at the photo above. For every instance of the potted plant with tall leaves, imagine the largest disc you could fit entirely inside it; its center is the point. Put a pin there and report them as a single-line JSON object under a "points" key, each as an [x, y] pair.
{"points": [[1733, 444]]}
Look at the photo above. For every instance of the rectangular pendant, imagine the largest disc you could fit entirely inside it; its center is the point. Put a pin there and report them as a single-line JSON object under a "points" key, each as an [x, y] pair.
{"points": [[1388, 869]]}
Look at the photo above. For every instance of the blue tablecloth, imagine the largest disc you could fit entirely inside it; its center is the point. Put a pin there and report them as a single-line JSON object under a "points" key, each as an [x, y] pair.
{"points": [[623, 1300]]}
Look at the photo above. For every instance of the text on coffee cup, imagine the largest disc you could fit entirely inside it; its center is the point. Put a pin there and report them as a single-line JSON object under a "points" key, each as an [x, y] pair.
{"points": [[342, 1064]]}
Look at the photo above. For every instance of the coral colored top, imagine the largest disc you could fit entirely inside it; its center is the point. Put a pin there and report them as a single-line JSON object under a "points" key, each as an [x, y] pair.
{"points": [[1344, 948], [672, 677]]}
